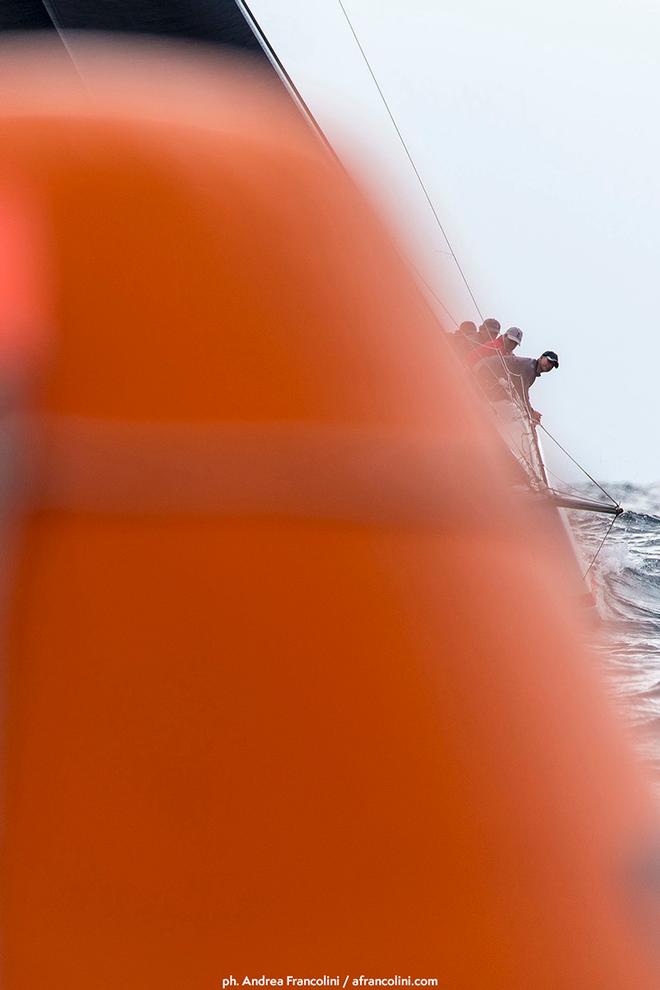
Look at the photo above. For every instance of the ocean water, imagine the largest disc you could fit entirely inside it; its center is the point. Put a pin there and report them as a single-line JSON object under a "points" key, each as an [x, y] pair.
{"points": [[626, 583]]}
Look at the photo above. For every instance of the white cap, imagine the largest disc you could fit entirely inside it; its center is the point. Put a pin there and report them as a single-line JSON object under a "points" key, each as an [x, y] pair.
{"points": [[514, 333]]}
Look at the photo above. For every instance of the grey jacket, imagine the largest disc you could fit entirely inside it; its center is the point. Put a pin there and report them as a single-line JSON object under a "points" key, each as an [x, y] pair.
{"points": [[523, 373]]}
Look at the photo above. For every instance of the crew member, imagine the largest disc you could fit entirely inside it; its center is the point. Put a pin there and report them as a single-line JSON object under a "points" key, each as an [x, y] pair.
{"points": [[465, 341], [523, 372], [489, 330], [504, 345], [507, 342]]}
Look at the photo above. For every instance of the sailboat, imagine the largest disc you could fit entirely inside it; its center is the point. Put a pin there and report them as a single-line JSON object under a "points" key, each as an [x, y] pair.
{"points": [[514, 424]]}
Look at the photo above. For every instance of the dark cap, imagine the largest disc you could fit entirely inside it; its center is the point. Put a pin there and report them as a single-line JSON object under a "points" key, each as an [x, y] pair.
{"points": [[551, 357], [492, 324], [467, 327]]}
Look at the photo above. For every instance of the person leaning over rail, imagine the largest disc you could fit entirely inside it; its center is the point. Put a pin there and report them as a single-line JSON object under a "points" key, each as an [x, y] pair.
{"points": [[491, 374]]}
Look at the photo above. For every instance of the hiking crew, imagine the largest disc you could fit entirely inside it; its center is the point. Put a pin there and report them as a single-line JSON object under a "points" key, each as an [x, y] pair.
{"points": [[495, 366]]}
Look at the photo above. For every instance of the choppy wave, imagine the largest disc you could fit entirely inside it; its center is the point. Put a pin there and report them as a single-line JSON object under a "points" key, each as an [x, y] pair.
{"points": [[626, 584]]}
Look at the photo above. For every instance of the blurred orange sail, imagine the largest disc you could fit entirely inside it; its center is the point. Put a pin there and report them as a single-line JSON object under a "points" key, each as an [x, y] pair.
{"points": [[290, 691]]}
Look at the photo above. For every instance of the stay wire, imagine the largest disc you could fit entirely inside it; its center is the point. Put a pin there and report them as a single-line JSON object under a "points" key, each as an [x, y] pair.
{"points": [[577, 464], [602, 544], [410, 158], [523, 407], [569, 489]]}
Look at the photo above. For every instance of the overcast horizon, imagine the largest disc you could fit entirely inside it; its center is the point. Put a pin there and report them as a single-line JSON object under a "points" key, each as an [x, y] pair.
{"points": [[533, 131]]}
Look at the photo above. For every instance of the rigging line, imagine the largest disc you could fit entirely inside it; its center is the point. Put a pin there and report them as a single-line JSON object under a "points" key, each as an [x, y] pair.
{"points": [[524, 459], [535, 437], [577, 464], [297, 97], [570, 490], [524, 412], [511, 386], [554, 440], [57, 24], [410, 158], [602, 544]]}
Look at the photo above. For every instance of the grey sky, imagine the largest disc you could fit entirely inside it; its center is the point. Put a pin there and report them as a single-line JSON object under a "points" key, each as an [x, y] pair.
{"points": [[534, 128]]}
